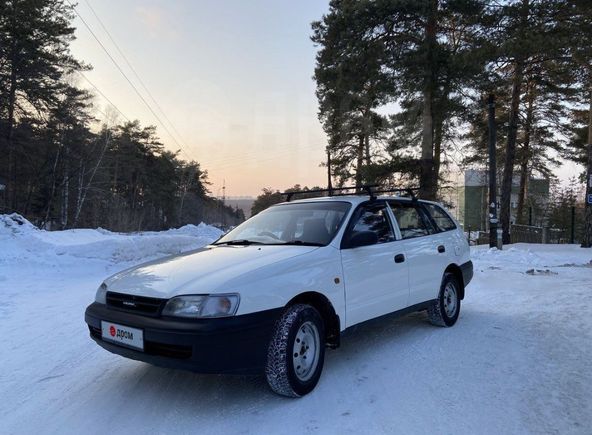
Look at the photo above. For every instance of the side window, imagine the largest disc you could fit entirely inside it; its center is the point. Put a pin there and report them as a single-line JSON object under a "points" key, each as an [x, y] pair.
{"points": [[374, 219], [410, 219], [439, 216]]}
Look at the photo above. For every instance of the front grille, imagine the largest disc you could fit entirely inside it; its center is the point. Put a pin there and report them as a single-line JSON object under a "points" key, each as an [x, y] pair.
{"points": [[167, 350], [138, 304]]}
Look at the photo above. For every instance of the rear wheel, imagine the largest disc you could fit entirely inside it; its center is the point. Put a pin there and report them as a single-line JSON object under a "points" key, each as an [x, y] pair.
{"points": [[446, 309], [296, 353]]}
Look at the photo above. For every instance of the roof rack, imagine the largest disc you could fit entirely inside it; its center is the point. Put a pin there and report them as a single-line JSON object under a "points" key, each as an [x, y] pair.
{"points": [[369, 189]]}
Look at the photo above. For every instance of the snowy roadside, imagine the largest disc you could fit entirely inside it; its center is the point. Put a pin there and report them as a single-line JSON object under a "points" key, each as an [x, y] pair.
{"points": [[518, 361], [22, 241]]}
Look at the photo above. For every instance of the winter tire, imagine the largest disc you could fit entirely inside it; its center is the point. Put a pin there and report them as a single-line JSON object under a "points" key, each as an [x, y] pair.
{"points": [[296, 352], [445, 310]]}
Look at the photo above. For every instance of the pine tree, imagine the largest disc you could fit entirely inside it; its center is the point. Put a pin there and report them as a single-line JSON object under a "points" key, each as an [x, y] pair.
{"points": [[529, 36], [68, 144], [546, 100], [34, 56], [351, 85], [579, 25], [418, 53]]}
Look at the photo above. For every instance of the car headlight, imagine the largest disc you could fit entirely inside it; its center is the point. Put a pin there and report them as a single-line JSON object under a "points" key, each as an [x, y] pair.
{"points": [[199, 306], [101, 296]]}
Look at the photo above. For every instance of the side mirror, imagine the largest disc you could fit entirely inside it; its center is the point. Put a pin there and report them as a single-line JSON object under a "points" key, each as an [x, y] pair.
{"points": [[363, 238]]}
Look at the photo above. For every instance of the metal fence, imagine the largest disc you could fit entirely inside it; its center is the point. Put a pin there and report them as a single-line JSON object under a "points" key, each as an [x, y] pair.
{"points": [[527, 234]]}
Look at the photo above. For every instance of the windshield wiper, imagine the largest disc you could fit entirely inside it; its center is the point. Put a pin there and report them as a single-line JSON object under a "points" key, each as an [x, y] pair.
{"points": [[245, 242], [242, 242], [301, 243]]}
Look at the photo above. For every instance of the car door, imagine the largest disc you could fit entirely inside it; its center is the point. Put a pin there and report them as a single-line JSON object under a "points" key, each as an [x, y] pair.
{"points": [[445, 240], [375, 276], [421, 250]]}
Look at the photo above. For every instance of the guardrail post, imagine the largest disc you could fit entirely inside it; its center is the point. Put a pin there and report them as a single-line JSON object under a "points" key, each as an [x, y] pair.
{"points": [[545, 234]]}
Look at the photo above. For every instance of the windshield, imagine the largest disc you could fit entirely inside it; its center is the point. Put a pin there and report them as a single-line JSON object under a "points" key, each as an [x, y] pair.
{"points": [[308, 223]]}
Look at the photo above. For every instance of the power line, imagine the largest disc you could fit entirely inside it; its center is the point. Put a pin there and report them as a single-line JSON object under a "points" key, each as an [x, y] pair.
{"points": [[132, 69], [226, 163], [128, 80], [103, 95], [250, 158]]}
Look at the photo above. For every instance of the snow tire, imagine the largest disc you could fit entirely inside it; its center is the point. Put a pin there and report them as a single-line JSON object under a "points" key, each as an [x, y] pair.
{"points": [[438, 313], [279, 371]]}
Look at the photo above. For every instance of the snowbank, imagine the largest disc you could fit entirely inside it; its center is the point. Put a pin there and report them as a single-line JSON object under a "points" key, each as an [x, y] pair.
{"points": [[524, 256], [22, 241]]}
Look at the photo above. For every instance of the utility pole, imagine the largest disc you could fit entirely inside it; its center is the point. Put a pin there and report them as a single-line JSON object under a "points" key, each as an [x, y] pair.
{"points": [[492, 173], [329, 182], [223, 215]]}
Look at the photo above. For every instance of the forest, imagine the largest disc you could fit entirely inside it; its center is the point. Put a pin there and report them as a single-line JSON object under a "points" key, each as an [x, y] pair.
{"points": [[403, 85], [62, 167]]}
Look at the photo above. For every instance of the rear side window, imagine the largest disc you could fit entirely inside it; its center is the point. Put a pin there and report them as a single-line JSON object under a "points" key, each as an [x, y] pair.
{"points": [[412, 222], [374, 219], [440, 217]]}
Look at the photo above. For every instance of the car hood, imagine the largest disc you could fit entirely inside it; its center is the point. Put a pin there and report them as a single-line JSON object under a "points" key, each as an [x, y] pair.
{"points": [[206, 270]]}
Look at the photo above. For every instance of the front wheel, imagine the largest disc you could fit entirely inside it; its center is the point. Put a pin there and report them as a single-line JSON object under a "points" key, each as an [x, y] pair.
{"points": [[297, 351], [446, 309]]}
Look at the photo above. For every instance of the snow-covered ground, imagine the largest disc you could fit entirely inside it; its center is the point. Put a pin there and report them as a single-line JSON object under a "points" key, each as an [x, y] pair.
{"points": [[518, 361]]}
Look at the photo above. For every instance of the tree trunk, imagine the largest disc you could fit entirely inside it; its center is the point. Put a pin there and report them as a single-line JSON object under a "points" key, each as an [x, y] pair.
{"points": [[65, 192], [520, 217], [367, 148], [185, 188], [27, 204], [587, 237], [182, 203], [506, 194], [438, 133], [79, 191], [53, 186], [525, 155], [427, 185], [82, 198], [360, 162]]}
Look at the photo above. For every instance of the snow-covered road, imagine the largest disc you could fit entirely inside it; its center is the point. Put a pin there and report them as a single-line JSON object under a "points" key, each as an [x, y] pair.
{"points": [[518, 361]]}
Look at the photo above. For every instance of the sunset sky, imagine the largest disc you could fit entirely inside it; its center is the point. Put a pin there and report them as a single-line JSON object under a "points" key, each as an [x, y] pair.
{"points": [[233, 77]]}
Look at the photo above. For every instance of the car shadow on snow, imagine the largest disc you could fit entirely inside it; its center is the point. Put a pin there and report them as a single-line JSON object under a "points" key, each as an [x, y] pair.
{"points": [[158, 390]]}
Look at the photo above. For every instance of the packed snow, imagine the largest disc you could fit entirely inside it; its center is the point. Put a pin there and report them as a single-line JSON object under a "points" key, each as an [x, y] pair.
{"points": [[518, 360]]}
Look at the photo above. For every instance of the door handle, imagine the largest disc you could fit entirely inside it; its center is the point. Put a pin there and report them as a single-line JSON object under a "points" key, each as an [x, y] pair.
{"points": [[399, 258], [441, 249]]}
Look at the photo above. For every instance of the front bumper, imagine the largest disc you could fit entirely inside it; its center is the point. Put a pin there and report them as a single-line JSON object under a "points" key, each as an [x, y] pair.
{"points": [[235, 344]]}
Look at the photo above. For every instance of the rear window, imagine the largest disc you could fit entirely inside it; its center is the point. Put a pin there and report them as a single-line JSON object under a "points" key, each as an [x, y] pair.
{"points": [[440, 217]]}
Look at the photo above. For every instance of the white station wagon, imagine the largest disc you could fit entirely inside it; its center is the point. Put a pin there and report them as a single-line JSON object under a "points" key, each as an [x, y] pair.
{"points": [[270, 295]]}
